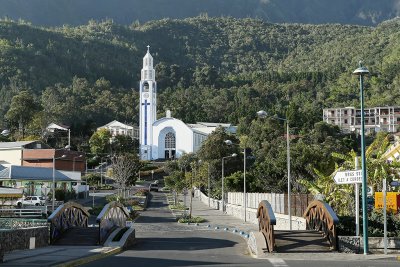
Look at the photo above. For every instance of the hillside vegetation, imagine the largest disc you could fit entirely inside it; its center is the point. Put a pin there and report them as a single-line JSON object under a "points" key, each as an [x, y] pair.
{"points": [[208, 69], [78, 12]]}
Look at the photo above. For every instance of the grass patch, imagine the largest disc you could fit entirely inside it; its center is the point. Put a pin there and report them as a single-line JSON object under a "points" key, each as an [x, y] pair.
{"points": [[119, 235], [178, 207], [191, 220]]}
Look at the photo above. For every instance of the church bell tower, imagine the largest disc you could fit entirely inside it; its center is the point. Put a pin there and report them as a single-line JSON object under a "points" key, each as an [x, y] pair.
{"points": [[148, 106]]}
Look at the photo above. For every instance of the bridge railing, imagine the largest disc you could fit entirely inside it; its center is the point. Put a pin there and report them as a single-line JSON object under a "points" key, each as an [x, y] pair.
{"points": [[66, 216], [266, 222], [113, 215], [321, 217]]}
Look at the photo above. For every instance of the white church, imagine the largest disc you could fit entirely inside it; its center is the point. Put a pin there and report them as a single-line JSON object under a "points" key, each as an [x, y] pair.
{"points": [[166, 138]]}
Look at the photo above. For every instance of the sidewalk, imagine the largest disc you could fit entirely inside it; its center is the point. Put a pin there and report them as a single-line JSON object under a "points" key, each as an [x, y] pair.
{"points": [[57, 255], [215, 218]]}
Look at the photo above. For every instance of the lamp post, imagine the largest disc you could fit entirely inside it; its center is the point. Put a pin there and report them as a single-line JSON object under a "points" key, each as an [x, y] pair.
{"points": [[208, 183], [263, 114], [361, 71], [229, 142], [54, 180], [223, 169]]}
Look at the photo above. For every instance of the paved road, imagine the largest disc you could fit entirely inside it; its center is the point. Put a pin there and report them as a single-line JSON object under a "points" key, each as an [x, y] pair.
{"points": [[163, 242]]}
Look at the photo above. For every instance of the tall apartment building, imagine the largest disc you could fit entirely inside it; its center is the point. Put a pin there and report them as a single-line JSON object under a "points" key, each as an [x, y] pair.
{"points": [[376, 119]]}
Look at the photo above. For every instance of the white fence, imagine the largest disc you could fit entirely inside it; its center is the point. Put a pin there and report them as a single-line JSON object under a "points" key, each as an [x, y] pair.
{"points": [[277, 201]]}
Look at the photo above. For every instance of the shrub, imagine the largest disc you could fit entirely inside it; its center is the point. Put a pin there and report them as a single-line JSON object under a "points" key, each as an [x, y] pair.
{"points": [[142, 192], [191, 220], [115, 197], [96, 210]]}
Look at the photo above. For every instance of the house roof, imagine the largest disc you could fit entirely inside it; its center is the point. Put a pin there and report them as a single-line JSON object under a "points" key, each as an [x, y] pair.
{"points": [[32, 174], [19, 144], [116, 123]]}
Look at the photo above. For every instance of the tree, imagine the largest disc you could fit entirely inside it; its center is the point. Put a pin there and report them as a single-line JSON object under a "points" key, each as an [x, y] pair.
{"points": [[125, 168], [176, 182], [100, 142], [22, 110]]}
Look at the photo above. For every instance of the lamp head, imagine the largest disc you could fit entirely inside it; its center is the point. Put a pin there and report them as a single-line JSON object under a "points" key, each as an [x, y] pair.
{"points": [[233, 155], [228, 142], [361, 70], [5, 132], [262, 114]]}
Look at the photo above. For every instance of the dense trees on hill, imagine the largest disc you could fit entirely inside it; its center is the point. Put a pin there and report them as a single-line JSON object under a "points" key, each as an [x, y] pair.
{"points": [[76, 12], [207, 69]]}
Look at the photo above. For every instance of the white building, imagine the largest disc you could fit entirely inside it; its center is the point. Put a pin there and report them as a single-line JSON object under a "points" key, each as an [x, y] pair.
{"points": [[376, 119], [118, 128], [167, 137]]}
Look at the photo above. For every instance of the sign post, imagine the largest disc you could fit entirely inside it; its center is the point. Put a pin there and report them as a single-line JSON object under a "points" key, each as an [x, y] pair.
{"points": [[352, 177], [384, 217], [357, 197]]}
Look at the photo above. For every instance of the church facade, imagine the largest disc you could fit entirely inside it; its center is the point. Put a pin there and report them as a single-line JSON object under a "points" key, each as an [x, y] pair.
{"points": [[168, 137]]}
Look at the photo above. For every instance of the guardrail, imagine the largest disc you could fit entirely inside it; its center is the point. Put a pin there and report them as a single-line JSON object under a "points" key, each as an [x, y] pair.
{"points": [[266, 222], [32, 212], [113, 215], [321, 217]]}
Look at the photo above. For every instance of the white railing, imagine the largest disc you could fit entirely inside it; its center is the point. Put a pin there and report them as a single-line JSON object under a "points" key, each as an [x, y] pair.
{"points": [[277, 201], [34, 212]]}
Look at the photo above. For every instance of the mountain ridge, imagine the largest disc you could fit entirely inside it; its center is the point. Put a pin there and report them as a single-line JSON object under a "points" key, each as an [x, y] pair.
{"points": [[77, 12]]}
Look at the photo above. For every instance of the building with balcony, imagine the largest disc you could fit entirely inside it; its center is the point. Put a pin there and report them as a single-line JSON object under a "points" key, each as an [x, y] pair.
{"points": [[118, 128], [376, 119]]}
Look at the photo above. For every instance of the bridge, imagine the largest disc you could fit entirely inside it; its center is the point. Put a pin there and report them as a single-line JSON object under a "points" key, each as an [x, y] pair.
{"points": [[320, 236], [69, 224]]}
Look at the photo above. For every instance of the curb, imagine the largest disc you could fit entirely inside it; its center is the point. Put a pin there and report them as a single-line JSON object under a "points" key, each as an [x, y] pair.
{"points": [[91, 258]]}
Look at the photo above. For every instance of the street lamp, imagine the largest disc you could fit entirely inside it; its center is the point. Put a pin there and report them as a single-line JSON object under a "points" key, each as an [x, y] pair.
{"points": [[73, 161], [222, 194], [229, 143], [361, 71], [54, 180], [263, 114]]}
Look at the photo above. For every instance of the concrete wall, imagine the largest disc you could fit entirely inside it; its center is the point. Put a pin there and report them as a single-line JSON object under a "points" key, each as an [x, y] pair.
{"points": [[354, 244]]}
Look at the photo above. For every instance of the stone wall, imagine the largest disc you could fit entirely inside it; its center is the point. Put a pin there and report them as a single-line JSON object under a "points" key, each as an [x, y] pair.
{"points": [[354, 244], [21, 238]]}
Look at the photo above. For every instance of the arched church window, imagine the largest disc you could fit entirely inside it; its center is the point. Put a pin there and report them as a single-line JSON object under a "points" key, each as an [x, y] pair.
{"points": [[170, 140], [146, 87]]}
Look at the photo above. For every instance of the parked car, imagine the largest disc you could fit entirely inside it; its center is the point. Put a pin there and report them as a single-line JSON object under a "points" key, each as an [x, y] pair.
{"points": [[32, 201], [153, 187]]}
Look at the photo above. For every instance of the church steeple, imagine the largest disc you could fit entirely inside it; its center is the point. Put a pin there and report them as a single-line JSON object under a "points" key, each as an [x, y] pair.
{"points": [[148, 70], [148, 106]]}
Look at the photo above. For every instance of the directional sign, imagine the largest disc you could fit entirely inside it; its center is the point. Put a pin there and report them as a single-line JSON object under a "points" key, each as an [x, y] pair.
{"points": [[348, 177]]}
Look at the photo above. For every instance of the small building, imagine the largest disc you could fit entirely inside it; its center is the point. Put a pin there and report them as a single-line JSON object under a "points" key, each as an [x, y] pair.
{"points": [[34, 180], [118, 128], [375, 119]]}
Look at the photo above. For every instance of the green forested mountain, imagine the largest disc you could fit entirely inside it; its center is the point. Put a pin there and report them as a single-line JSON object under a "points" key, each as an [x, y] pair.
{"points": [[208, 69], [77, 12]]}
